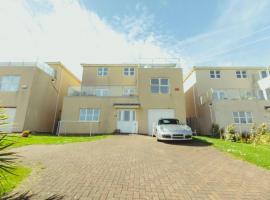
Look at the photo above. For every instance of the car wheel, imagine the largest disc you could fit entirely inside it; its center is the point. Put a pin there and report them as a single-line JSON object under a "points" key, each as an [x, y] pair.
{"points": [[158, 140]]}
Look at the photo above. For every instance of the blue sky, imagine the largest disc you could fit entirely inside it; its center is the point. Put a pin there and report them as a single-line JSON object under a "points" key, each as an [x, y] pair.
{"points": [[208, 32]]}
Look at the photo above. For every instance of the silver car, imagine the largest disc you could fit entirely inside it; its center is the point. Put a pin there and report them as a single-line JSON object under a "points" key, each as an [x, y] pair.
{"points": [[172, 129]]}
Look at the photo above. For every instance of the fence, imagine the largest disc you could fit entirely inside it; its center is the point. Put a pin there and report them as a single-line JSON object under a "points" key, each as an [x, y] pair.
{"points": [[66, 127]]}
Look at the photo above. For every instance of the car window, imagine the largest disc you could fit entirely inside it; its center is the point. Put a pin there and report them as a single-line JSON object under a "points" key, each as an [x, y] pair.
{"points": [[168, 121]]}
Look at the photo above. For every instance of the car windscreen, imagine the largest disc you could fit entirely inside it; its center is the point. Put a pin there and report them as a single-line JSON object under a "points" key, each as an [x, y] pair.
{"points": [[168, 121]]}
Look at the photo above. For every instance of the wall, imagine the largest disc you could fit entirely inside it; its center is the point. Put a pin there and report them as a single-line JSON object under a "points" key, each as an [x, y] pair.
{"points": [[108, 114], [19, 99], [224, 109], [41, 106], [221, 111], [174, 100], [107, 124], [115, 76]]}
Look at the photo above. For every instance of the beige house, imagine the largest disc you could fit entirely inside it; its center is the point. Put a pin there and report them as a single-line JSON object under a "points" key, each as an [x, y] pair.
{"points": [[126, 98], [227, 95], [32, 94]]}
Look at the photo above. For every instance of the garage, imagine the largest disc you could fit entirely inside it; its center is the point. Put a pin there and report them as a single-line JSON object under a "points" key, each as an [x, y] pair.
{"points": [[11, 113], [155, 114]]}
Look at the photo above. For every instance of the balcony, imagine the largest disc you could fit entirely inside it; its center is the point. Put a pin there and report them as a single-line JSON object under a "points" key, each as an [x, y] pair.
{"points": [[232, 94], [104, 91], [43, 66]]}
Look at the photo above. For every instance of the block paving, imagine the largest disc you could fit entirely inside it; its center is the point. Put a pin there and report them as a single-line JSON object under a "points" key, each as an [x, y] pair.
{"points": [[139, 167]]}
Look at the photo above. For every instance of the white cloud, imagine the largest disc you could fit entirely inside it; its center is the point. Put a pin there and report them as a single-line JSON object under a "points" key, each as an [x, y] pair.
{"points": [[69, 33]]}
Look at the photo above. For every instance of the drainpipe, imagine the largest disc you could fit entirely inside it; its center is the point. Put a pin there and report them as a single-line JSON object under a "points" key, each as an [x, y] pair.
{"points": [[57, 99]]}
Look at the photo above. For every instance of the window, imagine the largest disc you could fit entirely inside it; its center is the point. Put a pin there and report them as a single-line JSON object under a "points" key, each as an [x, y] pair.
{"points": [[129, 71], [160, 85], [241, 74], [242, 117], [129, 91], [102, 92], [126, 115], [89, 114], [219, 95], [102, 71], [9, 83], [264, 74], [214, 74]]}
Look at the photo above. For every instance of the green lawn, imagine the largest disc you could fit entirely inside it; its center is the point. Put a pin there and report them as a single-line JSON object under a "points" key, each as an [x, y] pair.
{"points": [[48, 139], [258, 155], [10, 181]]}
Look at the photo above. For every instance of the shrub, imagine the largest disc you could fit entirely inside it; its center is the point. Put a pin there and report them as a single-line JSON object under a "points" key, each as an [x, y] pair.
{"points": [[260, 134], [231, 134], [215, 131], [25, 133]]}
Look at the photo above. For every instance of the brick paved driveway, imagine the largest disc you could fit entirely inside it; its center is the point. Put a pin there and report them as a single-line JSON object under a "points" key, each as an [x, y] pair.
{"points": [[138, 167]]}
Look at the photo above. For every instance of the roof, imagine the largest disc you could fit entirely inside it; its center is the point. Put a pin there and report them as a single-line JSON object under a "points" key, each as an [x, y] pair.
{"points": [[64, 68], [194, 68], [142, 65]]}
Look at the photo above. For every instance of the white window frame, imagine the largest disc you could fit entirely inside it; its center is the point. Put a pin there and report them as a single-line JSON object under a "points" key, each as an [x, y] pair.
{"points": [[238, 116], [159, 85], [9, 87], [129, 71], [89, 114], [121, 115], [102, 92], [102, 71], [215, 74], [241, 74]]}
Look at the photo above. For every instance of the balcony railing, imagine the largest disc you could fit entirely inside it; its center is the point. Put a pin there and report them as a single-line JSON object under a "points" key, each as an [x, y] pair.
{"points": [[104, 91], [41, 65], [233, 94]]}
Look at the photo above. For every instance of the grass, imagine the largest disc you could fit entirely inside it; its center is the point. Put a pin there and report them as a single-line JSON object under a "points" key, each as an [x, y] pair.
{"points": [[258, 155], [10, 181], [48, 139]]}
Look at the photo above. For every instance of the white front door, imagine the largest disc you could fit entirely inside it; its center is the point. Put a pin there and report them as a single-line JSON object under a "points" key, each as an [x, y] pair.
{"points": [[126, 121], [155, 114], [9, 122]]}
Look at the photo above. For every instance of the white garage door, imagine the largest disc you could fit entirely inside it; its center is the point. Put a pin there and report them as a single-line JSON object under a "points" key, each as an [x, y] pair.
{"points": [[11, 113], [155, 114]]}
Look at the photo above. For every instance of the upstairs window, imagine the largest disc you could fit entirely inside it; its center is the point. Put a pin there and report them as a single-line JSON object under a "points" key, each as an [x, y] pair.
{"points": [[264, 74], [89, 114], [160, 85], [242, 117], [129, 71], [102, 71], [214, 74], [241, 74], [9, 83]]}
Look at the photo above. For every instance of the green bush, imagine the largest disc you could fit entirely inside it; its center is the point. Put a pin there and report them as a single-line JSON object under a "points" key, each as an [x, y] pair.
{"points": [[231, 134], [260, 134]]}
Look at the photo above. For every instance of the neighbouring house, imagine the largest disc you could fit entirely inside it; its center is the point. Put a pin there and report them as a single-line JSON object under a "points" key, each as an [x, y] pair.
{"points": [[227, 95], [31, 94], [125, 98]]}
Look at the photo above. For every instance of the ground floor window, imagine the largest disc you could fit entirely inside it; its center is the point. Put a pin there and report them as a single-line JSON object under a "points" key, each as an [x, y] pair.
{"points": [[89, 114], [242, 117]]}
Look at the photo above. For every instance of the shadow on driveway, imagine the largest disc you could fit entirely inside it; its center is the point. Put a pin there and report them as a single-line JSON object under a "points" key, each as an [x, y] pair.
{"points": [[28, 196], [195, 142]]}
